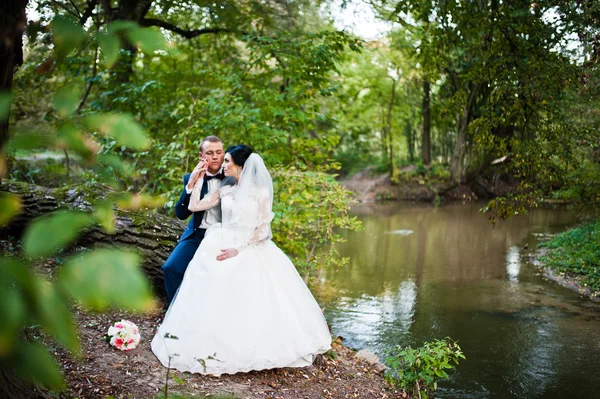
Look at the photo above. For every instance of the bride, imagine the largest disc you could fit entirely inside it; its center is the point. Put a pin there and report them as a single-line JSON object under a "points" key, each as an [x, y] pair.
{"points": [[242, 305]]}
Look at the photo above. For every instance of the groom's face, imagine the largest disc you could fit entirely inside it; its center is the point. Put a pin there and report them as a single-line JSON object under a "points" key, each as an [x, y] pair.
{"points": [[213, 153]]}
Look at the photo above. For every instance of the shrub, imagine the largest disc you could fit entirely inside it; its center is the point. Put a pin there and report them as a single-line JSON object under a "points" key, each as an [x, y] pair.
{"points": [[418, 370]]}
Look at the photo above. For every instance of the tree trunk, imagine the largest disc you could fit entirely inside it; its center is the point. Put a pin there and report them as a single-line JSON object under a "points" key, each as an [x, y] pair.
{"points": [[12, 387], [426, 142], [126, 10], [12, 26], [384, 149], [389, 132], [458, 158], [408, 132], [459, 167], [153, 234]]}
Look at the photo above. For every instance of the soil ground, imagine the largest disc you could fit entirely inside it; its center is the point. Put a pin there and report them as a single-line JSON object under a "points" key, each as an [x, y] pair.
{"points": [[368, 186], [105, 371]]}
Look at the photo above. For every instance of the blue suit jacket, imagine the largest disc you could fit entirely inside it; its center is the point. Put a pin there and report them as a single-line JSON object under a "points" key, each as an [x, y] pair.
{"points": [[182, 212]]}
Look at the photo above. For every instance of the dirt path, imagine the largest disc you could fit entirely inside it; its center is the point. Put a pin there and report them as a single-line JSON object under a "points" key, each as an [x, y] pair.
{"points": [[105, 371]]}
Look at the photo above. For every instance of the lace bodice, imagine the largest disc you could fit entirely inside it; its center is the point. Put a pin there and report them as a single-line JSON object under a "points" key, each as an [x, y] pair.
{"points": [[250, 218], [227, 196]]}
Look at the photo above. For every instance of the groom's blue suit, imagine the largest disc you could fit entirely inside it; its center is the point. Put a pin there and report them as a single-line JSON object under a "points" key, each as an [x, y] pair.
{"points": [[175, 266]]}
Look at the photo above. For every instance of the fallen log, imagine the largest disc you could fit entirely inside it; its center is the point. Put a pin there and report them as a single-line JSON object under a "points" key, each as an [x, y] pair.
{"points": [[153, 234]]}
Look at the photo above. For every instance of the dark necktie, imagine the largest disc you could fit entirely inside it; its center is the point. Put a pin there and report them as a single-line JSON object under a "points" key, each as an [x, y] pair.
{"points": [[217, 176]]}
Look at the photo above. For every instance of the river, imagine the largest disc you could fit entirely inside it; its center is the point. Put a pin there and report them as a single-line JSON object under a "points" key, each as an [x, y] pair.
{"points": [[419, 272]]}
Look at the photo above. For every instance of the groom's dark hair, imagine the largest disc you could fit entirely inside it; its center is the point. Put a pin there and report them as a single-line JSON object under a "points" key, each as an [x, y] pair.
{"points": [[212, 139], [239, 153]]}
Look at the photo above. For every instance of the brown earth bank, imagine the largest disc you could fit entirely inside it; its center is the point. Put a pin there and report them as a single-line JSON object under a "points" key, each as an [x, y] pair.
{"points": [[368, 186], [104, 370], [566, 280]]}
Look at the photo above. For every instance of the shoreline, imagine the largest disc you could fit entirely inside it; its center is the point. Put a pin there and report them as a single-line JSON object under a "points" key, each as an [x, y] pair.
{"points": [[367, 187], [564, 279]]}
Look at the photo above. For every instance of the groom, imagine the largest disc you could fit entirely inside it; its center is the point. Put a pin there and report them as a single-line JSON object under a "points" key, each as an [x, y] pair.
{"points": [[208, 169]]}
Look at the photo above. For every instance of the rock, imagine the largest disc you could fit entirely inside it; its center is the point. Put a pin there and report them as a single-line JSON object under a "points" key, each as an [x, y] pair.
{"points": [[380, 367], [372, 359], [367, 356]]}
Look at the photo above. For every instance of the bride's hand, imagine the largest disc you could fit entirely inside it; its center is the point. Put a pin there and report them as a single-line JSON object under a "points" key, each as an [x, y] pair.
{"points": [[227, 253], [198, 173]]}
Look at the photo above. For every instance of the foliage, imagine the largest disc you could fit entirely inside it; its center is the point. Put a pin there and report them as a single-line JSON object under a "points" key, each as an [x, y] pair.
{"points": [[576, 252], [508, 79], [28, 298], [310, 208], [417, 370], [258, 76], [116, 103], [372, 124]]}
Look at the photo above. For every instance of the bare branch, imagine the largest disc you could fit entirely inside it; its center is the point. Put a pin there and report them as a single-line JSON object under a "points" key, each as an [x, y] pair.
{"points": [[88, 12], [188, 34], [64, 7], [89, 89], [76, 8]]}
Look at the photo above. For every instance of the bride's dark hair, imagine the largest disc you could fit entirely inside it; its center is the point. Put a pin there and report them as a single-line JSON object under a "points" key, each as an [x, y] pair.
{"points": [[239, 153]]}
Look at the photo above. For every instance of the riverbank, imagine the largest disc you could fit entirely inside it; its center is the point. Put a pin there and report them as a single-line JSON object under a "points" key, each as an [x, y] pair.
{"points": [[572, 259], [421, 185], [105, 371]]}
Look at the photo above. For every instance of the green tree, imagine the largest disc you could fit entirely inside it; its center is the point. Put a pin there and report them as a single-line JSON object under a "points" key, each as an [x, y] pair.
{"points": [[96, 279]]}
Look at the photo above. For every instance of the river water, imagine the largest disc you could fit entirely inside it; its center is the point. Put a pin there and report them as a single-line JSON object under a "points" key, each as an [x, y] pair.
{"points": [[419, 272]]}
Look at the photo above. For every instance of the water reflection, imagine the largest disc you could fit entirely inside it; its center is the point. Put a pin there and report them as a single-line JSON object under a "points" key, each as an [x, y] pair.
{"points": [[457, 276], [373, 315], [513, 263]]}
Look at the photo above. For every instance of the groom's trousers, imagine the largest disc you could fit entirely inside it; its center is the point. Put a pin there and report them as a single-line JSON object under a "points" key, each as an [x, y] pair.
{"points": [[176, 264]]}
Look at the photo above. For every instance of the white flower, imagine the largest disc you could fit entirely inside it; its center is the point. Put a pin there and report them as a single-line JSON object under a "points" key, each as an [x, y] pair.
{"points": [[124, 335]]}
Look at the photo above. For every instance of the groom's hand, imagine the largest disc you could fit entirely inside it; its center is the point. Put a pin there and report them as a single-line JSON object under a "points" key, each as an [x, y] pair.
{"points": [[227, 253]]}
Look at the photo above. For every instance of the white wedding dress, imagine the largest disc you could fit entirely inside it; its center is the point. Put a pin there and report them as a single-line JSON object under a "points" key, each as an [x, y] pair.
{"points": [[249, 312]]}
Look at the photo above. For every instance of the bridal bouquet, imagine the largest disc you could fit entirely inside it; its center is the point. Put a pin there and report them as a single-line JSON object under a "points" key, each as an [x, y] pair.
{"points": [[124, 335]]}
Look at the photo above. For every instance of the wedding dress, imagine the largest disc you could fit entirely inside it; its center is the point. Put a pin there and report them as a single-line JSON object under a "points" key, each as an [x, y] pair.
{"points": [[249, 312]]}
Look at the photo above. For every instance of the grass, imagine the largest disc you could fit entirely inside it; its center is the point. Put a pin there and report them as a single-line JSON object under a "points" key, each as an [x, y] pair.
{"points": [[576, 252]]}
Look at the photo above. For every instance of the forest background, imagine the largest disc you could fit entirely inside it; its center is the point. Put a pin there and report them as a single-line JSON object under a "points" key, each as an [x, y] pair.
{"points": [[115, 97]]}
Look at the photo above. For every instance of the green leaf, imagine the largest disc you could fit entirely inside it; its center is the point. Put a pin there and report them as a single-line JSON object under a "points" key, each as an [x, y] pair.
{"points": [[20, 273], [69, 137], [10, 206], [67, 34], [107, 277], [147, 39], [111, 161], [55, 316], [32, 362], [30, 141], [122, 127], [5, 100], [66, 100], [106, 217], [12, 315], [110, 45], [49, 233], [119, 26]]}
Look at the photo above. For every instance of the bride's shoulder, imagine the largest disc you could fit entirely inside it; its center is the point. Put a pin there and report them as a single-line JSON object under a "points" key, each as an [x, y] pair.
{"points": [[227, 190]]}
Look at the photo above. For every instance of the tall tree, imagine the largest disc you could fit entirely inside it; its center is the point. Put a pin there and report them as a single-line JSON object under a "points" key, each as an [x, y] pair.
{"points": [[12, 26]]}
